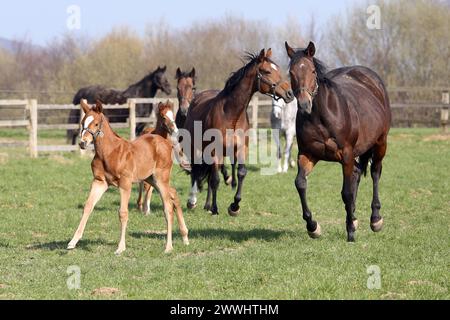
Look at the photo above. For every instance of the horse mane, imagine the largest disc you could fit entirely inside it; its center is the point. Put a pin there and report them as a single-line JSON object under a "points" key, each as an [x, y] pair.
{"points": [[321, 68], [133, 89], [250, 60]]}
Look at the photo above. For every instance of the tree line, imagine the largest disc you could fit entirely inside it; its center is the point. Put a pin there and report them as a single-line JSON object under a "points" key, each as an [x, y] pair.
{"points": [[412, 48]]}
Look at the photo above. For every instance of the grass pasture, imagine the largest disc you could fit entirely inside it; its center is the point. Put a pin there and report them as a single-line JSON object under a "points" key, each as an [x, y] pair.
{"points": [[265, 253]]}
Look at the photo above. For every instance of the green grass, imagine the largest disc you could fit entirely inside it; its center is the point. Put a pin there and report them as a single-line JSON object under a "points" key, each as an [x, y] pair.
{"points": [[265, 253]]}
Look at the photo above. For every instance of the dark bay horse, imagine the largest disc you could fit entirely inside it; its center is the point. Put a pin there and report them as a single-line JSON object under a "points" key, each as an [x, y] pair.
{"points": [[343, 116], [227, 110], [185, 93], [145, 88]]}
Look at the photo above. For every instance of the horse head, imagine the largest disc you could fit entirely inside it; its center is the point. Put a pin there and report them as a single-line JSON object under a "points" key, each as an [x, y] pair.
{"points": [[185, 89]]}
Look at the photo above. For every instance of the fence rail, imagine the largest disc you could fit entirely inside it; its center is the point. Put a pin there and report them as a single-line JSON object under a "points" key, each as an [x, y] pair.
{"points": [[257, 108]]}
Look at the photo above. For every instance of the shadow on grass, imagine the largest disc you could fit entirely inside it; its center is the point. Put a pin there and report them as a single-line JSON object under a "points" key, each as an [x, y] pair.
{"points": [[62, 245], [116, 204], [234, 235]]}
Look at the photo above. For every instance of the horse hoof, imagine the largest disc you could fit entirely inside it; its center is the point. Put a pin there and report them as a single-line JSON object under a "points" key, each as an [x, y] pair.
{"points": [[355, 224], [168, 250], [191, 206], [233, 213], [315, 234], [228, 181], [119, 251], [377, 226], [71, 246]]}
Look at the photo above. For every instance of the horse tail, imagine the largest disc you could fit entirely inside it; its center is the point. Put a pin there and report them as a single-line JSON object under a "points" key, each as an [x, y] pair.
{"points": [[199, 174], [364, 162]]}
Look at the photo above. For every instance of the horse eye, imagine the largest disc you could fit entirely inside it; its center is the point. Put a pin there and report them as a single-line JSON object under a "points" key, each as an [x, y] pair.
{"points": [[96, 124], [314, 71]]}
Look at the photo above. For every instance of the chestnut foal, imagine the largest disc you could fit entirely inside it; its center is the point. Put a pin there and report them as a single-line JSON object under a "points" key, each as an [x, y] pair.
{"points": [[120, 163], [165, 127]]}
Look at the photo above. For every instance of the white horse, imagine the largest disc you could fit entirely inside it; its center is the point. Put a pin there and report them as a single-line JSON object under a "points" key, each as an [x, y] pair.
{"points": [[283, 118]]}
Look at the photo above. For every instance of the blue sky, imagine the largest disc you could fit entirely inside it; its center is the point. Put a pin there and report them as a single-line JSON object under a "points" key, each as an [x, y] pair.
{"points": [[41, 21]]}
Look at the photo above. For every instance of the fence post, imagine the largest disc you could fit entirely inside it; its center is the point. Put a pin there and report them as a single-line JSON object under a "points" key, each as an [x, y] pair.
{"points": [[132, 119], [32, 106], [444, 111], [255, 105]]}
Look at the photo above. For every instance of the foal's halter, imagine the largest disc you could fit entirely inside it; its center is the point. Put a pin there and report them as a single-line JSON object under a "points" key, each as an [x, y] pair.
{"points": [[95, 134], [272, 85]]}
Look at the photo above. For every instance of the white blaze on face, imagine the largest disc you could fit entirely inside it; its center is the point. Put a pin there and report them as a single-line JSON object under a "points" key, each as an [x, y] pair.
{"points": [[169, 115], [274, 67], [87, 123]]}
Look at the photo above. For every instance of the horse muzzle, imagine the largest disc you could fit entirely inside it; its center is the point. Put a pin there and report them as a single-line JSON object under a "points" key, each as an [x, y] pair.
{"points": [[305, 106]]}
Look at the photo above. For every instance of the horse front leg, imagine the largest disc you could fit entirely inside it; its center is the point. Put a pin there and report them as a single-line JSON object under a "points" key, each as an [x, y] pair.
{"points": [[98, 188], [125, 192], [305, 166], [207, 206], [234, 209]]}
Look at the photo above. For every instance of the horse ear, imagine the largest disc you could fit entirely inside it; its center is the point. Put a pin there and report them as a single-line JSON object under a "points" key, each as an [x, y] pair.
{"points": [[178, 74], [269, 53], [289, 50], [310, 51], [163, 69], [262, 55], [192, 74], [84, 105], [98, 106]]}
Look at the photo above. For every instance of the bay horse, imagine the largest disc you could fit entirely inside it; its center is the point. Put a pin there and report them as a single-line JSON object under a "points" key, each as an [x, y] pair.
{"points": [[282, 119], [118, 162], [224, 111], [185, 93], [343, 116], [145, 88], [166, 128]]}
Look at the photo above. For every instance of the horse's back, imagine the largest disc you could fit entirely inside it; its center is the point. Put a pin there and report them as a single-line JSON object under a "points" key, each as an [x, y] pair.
{"points": [[200, 107], [366, 97]]}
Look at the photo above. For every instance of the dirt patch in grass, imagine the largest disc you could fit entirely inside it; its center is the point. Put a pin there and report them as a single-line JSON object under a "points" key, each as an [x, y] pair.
{"points": [[4, 157], [437, 137], [393, 295], [427, 283], [106, 291]]}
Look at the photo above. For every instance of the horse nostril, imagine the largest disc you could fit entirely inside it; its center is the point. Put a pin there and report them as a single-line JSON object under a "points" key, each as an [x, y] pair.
{"points": [[290, 94]]}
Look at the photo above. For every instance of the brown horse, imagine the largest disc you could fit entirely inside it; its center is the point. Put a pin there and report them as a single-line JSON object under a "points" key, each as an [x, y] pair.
{"points": [[165, 127], [185, 92], [224, 111], [145, 88], [343, 116], [120, 163]]}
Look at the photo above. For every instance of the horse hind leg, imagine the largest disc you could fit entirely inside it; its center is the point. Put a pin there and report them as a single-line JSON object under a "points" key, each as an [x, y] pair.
{"points": [[376, 221], [305, 166], [181, 223]]}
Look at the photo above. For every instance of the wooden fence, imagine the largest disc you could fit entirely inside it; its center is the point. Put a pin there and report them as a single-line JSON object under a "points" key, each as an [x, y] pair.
{"points": [[259, 114]]}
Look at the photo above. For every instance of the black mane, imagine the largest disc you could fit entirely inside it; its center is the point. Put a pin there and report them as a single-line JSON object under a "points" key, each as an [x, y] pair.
{"points": [[250, 59]]}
